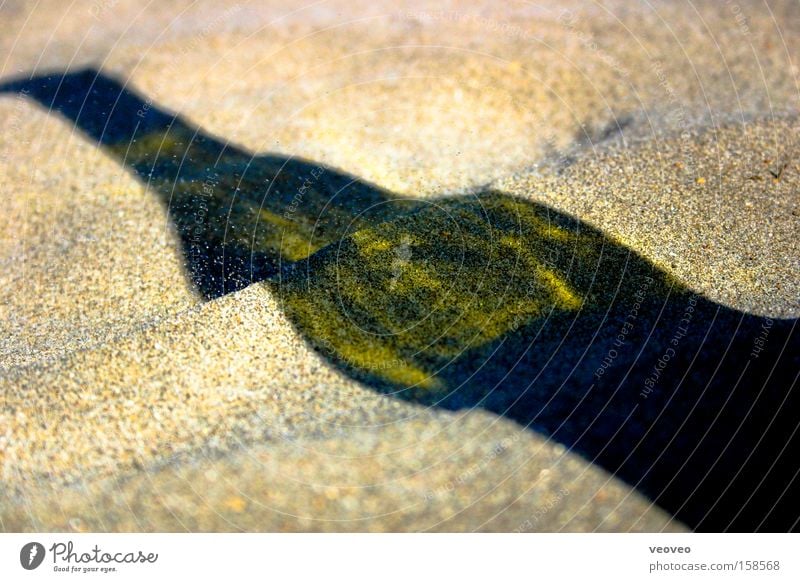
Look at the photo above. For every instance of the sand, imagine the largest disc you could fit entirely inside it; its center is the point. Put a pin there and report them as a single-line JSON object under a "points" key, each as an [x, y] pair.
{"points": [[132, 403]]}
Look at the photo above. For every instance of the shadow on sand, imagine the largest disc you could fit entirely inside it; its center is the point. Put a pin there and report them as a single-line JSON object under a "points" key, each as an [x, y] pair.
{"points": [[480, 301]]}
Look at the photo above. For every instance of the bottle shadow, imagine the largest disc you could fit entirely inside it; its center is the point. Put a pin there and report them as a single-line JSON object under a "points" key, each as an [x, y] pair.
{"points": [[237, 214], [480, 301]]}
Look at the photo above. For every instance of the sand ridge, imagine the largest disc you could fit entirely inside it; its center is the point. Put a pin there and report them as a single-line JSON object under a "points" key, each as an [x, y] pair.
{"points": [[131, 403]]}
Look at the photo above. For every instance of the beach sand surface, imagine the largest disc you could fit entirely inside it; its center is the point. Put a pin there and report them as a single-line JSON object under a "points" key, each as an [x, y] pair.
{"points": [[132, 403]]}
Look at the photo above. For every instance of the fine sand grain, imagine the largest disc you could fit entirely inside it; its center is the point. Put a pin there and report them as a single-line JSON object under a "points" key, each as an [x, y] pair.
{"points": [[128, 402]]}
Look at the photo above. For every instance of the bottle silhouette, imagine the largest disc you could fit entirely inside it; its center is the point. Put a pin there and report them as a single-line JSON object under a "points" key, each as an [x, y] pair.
{"points": [[483, 301]]}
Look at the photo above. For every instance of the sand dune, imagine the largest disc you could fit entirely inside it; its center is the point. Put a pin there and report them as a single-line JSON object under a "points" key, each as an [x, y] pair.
{"points": [[145, 390]]}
